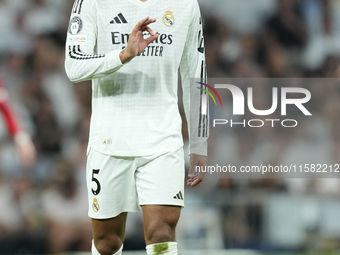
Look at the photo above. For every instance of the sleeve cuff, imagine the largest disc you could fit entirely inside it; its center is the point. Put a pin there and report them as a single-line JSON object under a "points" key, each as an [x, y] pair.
{"points": [[114, 59], [199, 148]]}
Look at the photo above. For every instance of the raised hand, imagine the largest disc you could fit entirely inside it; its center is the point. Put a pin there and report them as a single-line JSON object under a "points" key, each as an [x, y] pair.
{"points": [[137, 43]]}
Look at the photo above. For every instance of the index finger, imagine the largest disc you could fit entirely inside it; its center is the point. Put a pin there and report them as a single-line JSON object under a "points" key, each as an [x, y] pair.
{"points": [[145, 22], [141, 25]]}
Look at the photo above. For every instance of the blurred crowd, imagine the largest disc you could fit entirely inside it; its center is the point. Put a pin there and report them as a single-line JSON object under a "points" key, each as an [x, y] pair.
{"points": [[44, 207]]}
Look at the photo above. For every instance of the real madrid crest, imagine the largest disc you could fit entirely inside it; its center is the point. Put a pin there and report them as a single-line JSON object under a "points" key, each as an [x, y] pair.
{"points": [[95, 205], [168, 18]]}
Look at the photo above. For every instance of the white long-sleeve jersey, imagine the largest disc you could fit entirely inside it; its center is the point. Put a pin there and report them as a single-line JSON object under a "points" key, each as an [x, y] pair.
{"points": [[134, 106]]}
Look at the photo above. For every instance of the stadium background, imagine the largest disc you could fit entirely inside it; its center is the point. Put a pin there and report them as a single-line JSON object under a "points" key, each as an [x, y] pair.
{"points": [[43, 209]]}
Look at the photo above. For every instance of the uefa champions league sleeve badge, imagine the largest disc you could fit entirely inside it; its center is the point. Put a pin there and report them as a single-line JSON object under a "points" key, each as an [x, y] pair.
{"points": [[75, 26]]}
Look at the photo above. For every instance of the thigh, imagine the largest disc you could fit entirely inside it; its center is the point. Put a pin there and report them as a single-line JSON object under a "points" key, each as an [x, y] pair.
{"points": [[160, 180], [110, 185], [112, 227], [160, 218]]}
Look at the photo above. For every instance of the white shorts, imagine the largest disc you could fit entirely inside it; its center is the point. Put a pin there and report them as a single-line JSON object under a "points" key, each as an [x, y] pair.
{"points": [[123, 184]]}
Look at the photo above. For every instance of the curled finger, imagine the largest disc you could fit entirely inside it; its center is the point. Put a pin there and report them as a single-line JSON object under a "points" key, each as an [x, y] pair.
{"points": [[149, 30]]}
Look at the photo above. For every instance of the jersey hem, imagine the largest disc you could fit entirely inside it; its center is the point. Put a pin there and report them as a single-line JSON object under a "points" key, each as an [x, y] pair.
{"points": [[162, 203], [129, 154]]}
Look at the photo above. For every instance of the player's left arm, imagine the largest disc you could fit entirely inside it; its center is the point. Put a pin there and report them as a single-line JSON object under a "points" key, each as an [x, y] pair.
{"points": [[193, 67]]}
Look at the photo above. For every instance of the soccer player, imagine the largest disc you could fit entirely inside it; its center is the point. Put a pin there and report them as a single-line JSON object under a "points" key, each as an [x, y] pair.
{"points": [[135, 154], [21, 139]]}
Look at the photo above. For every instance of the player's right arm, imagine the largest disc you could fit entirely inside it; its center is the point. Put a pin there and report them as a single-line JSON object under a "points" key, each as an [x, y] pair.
{"points": [[82, 63]]}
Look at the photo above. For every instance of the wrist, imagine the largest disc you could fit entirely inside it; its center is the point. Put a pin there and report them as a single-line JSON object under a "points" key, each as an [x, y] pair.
{"points": [[125, 57]]}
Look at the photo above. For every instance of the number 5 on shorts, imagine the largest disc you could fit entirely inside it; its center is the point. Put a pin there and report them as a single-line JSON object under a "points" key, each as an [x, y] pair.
{"points": [[95, 192]]}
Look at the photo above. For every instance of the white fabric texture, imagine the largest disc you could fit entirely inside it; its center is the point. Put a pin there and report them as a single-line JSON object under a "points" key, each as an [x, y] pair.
{"points": [[126, 183]]}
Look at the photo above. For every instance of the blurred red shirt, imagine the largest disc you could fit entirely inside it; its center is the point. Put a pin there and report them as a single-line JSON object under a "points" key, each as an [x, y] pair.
{"points": [[11, 120]]}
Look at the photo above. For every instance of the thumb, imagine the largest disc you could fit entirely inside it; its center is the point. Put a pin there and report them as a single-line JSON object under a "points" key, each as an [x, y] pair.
{"points": [[191, 173]]}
